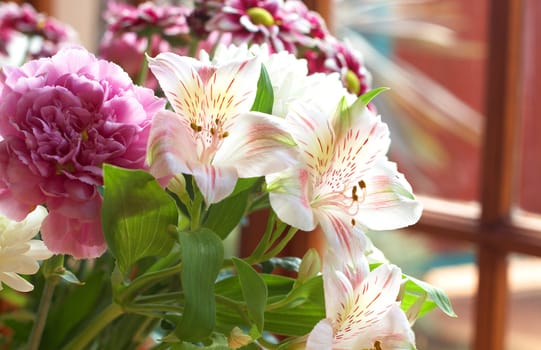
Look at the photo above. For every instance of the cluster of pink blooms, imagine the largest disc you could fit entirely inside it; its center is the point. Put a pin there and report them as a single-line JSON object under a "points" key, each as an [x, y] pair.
{"points": [[281, 24], [24, 20]]}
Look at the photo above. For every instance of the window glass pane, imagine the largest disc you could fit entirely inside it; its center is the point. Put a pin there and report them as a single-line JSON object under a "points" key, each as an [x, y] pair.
{"points": [[431, 55], [447, 265], [530, 143], [524, 304]]}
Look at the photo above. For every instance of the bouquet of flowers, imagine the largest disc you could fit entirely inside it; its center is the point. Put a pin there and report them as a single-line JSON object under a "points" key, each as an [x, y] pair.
{"points": [[239, 106]]}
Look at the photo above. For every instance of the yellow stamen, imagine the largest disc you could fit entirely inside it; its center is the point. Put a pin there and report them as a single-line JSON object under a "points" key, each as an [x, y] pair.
{"points": [[259, 15], [353, 83]]}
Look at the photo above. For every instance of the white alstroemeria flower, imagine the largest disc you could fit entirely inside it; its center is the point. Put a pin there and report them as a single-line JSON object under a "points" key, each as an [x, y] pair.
{"points": [[289, 78], [212, 134], [19, 253], [344, 181], [362, 311]]}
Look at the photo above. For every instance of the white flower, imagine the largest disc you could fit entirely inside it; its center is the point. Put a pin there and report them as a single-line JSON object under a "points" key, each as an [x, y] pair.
{"points": [[344, 181], [19, 253], [289, 78], [361, 306], [212, 134]]}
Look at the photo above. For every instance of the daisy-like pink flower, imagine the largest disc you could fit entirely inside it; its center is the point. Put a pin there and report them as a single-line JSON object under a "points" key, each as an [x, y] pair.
{"points": [[61, 118], [362, 311], [147, 18], [275, 22], [45, 34], [343, 181], [212, 134], [342, 58]]}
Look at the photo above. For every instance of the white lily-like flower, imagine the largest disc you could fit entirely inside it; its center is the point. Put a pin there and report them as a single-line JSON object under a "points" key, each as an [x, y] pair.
{"points": [[212, 134], [289, 78], [362, 311], [19, 253], [344, 181]]}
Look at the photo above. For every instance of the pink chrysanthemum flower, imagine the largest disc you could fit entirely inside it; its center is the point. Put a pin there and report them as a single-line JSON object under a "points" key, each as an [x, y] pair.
{"points": [[49, 34], [342, 58], [147, 18], [275, 22], [61, 118]]}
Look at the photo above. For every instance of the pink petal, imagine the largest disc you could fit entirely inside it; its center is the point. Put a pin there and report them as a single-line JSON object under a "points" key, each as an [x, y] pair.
{"points": [[81, 239]]}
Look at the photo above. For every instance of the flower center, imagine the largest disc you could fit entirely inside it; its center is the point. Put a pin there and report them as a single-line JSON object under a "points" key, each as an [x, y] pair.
{"points": [[259, 15], [353, 84]]}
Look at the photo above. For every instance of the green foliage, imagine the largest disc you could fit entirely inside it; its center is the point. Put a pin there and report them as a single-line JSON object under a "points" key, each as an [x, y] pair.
{"points": [[202, 257], [264, 98], [254, 292], [225, 215], [136, 215], [433, 297]]}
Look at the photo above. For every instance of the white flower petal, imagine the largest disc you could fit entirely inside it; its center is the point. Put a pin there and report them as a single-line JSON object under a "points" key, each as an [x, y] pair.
{"points": [[38, 250], [16, 282], [170, 145], [180, 82], [288, 195], [215, 183], [389, 203], [321, 337], [257, 145]]}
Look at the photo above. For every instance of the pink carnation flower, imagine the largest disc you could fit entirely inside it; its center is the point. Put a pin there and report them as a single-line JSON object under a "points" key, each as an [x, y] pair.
{"points": [[61, 118]]}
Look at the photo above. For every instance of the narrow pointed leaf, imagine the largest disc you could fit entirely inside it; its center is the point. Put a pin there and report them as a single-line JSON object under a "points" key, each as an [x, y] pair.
{"points": [[435, 295], [264, 98], [136, 214], [367, 97], [202, 257], [254, 292]]}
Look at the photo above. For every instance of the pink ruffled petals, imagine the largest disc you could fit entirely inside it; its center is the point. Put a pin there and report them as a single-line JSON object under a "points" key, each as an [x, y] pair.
{"points": [[82, 239]]}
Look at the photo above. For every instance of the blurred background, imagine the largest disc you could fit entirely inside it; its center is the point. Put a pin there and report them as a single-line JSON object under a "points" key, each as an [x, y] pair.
{"points": [[464, 116]]}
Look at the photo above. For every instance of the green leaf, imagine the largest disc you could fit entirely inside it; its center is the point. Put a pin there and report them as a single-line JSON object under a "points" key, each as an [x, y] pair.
{"points": [[254, 292], [225, 215], [202, 257], [136, 214], [368, 96], [264, 98], [289, 263], [417, 288]]}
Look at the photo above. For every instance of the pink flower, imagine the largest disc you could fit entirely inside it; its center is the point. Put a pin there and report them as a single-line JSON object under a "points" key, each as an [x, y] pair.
{"points": [[147, 18], [275, 22], [25, 20], [342, 58], [61, 118]]}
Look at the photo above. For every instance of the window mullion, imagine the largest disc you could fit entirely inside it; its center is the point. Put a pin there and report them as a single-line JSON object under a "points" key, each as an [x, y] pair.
{"points": [[497, 168]]}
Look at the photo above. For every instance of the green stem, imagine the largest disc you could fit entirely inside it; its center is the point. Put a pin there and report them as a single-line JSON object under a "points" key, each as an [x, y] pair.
{"points": [[195, 212], [146, 308], [280, 246], [159, 298], [262, 246], [129, 293], [143, 72], [43, 311], [99, 322], [238, 306]]}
